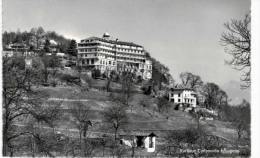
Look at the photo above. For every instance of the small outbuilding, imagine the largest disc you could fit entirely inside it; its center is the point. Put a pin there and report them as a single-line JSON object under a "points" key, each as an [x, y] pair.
{"points": [[140, 140]]}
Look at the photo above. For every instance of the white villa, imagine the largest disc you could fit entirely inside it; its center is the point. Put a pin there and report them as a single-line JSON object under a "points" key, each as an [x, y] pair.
{"points": [[183, 96]]}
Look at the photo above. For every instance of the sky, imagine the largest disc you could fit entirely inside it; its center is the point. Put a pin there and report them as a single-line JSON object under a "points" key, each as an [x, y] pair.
{"points": [[182, 34]]}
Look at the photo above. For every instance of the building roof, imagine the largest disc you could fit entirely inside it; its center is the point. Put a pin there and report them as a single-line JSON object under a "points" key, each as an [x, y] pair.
{"points": [[181, 89], [114, 41], [52, 42], [60, 54], [138, 133]]}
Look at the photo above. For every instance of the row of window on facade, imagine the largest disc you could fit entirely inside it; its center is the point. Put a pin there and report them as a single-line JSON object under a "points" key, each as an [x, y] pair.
{"points": [[108, 51], [185, 100], [112, 54], [179, 94], [102, 62], [149, 67], [88, 61], [95, 54], [123, 59], [129, 59]]}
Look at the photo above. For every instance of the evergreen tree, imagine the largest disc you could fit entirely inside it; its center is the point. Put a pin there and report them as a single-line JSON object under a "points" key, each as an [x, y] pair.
{"points": [[72, 50], [47, 46]]}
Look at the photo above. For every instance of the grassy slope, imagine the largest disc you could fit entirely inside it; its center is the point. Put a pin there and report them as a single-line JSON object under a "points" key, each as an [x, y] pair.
{"points": [[139, 118]]}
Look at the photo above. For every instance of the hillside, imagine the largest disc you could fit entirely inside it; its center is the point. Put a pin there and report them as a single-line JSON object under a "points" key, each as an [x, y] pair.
{"points": [[139, 118]]}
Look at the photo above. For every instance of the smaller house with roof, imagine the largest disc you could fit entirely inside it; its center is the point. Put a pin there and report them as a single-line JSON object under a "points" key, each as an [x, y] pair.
{"points": [[140, 140], [183, 96]]}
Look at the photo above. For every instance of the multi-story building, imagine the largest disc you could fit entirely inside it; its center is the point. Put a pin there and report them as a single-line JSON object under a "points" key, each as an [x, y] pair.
{"points": [[183, 96], [108, 54], [17, 47]]}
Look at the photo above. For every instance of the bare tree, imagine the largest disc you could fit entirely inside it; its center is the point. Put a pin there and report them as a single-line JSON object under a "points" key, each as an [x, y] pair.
{"points": [[16, 88], [183, 139], [163, 104], [82, 120], [145, 103], [237, 43], [116, 117], [20, 101], [108, 84], [190, 80], [240, 118], [38, 34], [51, 63], [127, 86]]}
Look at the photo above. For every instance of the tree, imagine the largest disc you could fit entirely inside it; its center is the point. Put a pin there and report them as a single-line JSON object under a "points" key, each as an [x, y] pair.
{"points": [[15, 86], [163, 104], [237, 43], [47, 46], [178, 139], [127, 87], [190, 80], [20, 101], [72, 50], [96, 73], [160, 72], [50, 62], [108, 84], [82, 120], [240, 118], [38, 34], [116, 117], [196, 116], [214, 96], [45, 114], [147, 87], [18, 38], [145, 103]]}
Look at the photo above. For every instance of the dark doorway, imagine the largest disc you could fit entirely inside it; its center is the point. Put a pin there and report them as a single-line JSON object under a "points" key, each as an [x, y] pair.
{"points": [[139, 141]]}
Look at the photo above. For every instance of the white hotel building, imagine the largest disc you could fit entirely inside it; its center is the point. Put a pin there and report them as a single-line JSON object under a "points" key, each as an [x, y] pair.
{"points": [[108, 54]]}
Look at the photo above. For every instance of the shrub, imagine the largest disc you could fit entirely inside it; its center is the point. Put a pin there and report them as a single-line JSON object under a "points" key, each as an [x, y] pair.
{"points": [[96, 73], [70, 79]]}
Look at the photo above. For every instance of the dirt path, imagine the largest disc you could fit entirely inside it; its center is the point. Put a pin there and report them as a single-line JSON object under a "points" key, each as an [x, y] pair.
{"points": [[69, 100]]}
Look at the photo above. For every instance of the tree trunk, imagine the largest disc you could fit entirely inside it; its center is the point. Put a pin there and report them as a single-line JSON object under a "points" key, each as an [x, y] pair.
{"points": [[103, 150], [32, 147], [239, 133], [198, 123], [115, 133], [4, 145], [5, 138], [133, 148], [108, 85], [80, 144]]}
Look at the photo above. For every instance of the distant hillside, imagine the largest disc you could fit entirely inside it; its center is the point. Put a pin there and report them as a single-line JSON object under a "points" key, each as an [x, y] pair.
{"points": [[236, 93]]}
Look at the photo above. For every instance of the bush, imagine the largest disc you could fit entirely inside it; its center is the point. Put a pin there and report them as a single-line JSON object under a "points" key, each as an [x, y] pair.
{"points": [[70, 79], [88, 80], [96, 73], [245, 152], [147, 90], [53, 83]]}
